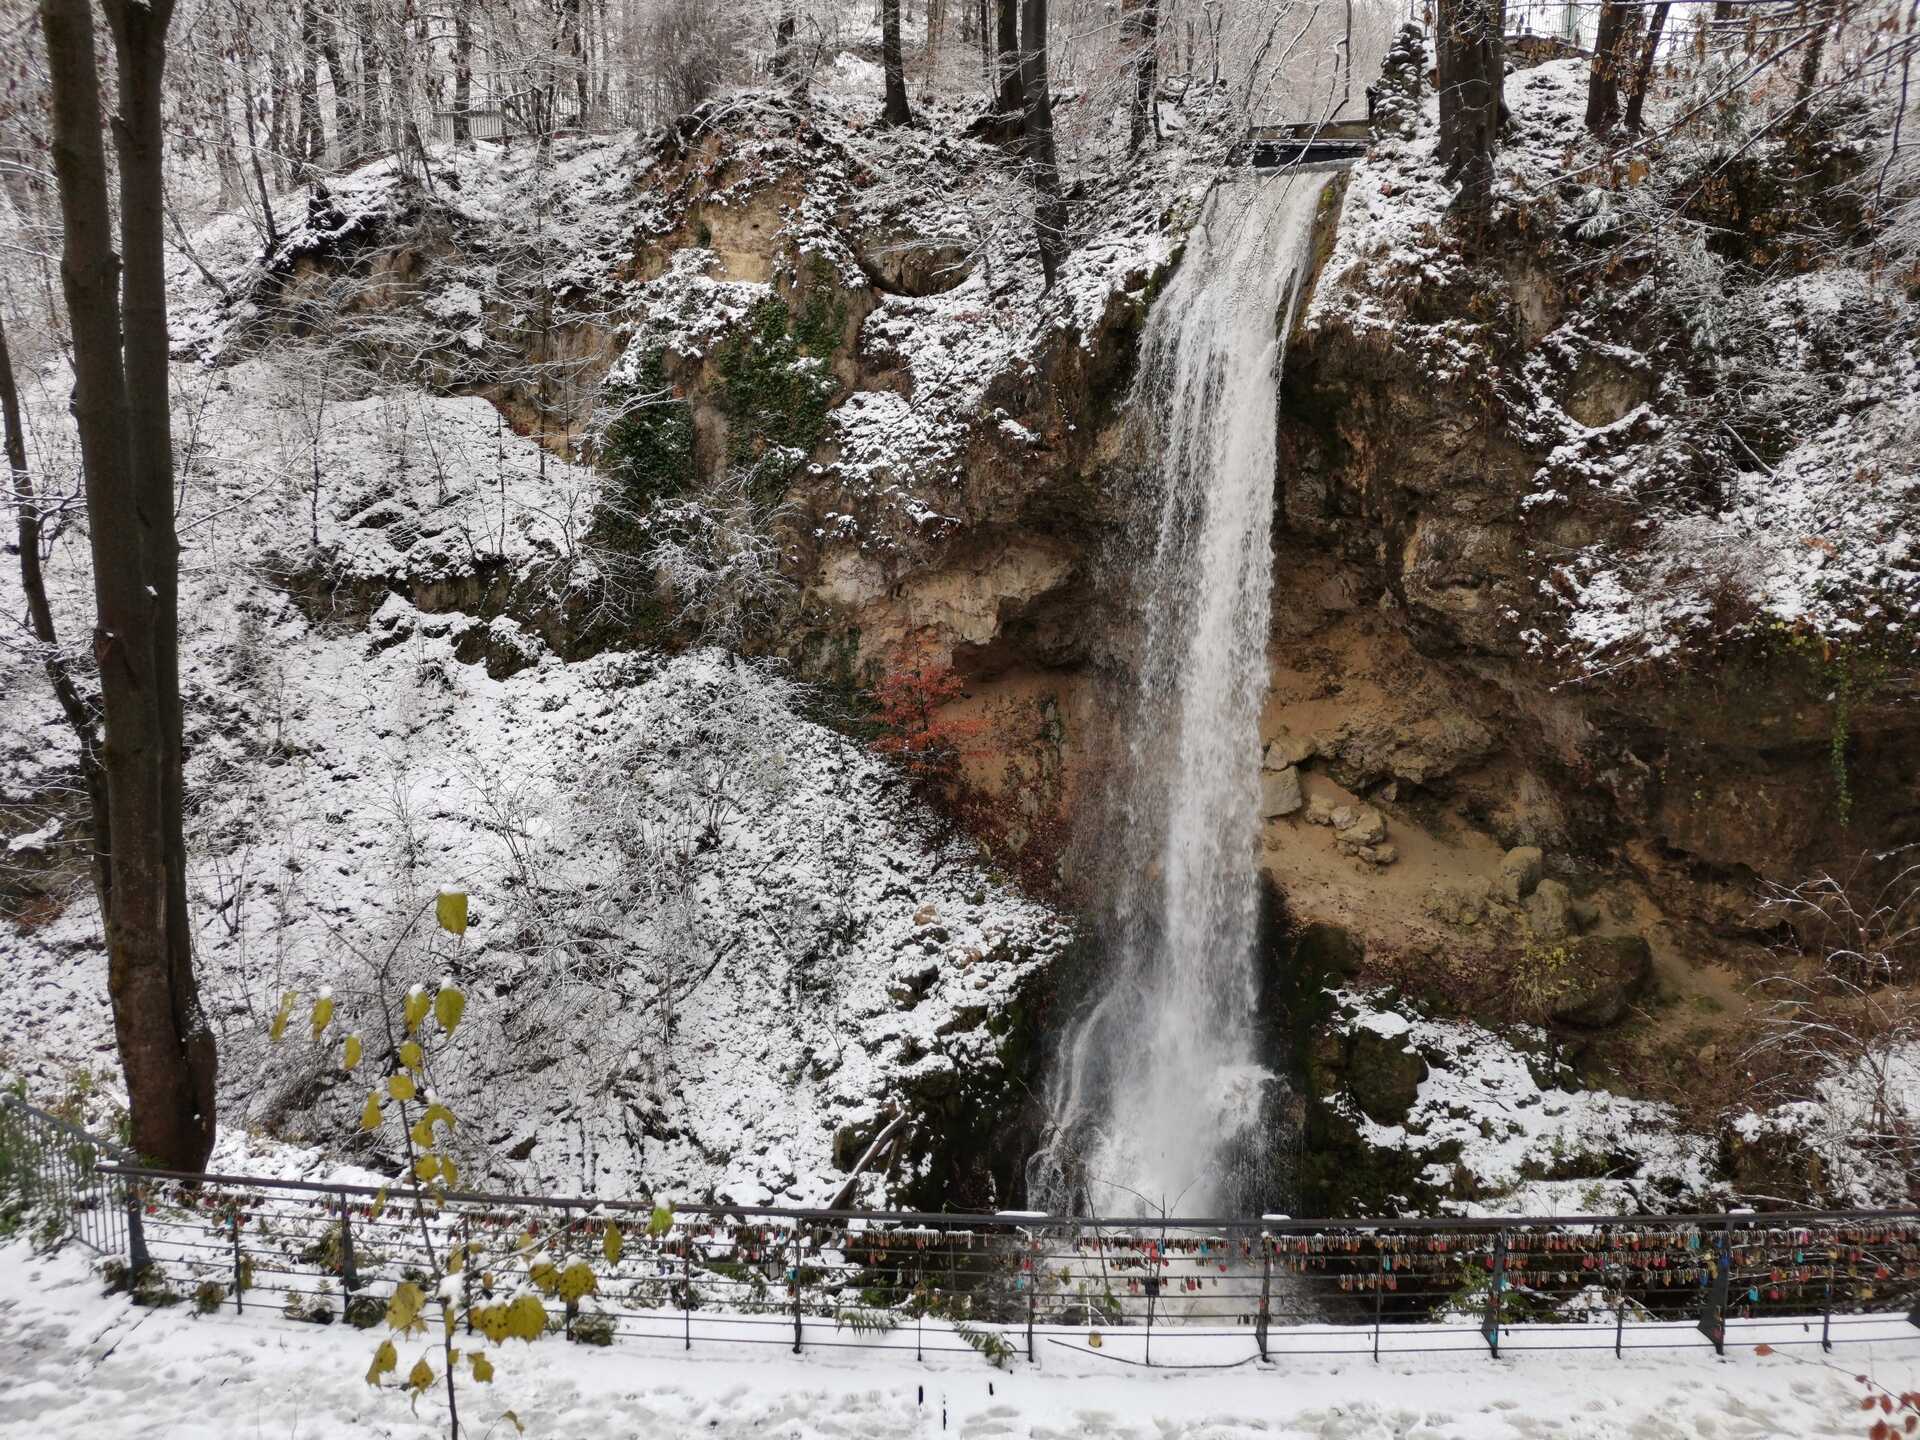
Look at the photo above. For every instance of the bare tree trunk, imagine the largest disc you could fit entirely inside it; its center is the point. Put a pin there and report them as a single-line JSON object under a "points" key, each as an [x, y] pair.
{"points": [[1012, 99], [310, 144], [344, 119], [1143, 23], [253, 145], [1470, 65], [1643, 72], [1050, 207], [462, 77], [33, 584], [1612, 44], [367, 22], [897, 111], [783, 57], [120, 404]]}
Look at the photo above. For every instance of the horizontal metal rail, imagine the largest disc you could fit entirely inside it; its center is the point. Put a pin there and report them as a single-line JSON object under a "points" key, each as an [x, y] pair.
{"points": [[1182, 1291]]}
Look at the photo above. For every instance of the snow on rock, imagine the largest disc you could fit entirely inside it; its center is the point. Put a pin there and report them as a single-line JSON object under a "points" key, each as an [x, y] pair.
{"points": [[1496, 1110]]}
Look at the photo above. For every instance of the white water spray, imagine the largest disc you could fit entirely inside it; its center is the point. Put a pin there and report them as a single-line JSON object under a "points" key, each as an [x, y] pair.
{"points": [[1160, 1076]]}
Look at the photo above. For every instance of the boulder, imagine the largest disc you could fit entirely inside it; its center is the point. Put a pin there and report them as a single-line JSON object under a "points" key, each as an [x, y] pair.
{"points": [[1384, 1076], [1520, 872], [1550, 910], [1280, 792], [1605, 975], [1359, 825]]}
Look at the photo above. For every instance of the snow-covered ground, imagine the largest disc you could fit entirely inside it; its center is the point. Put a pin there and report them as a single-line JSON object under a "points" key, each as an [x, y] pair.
{"points": [[79, 1364]]}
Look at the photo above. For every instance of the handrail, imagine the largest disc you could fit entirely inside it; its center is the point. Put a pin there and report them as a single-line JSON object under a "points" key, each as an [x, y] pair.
{"points": [[1734, 1218]]}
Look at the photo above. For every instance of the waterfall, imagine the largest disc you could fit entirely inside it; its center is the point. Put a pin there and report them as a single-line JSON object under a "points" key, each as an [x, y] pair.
{"points": [[1159, 1078]]}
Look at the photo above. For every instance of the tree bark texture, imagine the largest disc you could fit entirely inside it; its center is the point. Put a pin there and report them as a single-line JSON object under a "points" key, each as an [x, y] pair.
{"points": [[120, 405], [1143, 25], [1470, 68], [1043, 165], [1643, 71], [1011, 99], [897, 111]]}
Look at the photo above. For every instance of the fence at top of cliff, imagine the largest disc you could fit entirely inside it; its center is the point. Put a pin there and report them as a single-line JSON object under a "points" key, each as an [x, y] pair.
{"points": [[1180, 1292]]}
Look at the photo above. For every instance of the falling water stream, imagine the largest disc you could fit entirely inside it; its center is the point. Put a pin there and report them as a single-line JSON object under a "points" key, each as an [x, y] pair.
{"points": [[1158, 1082]]}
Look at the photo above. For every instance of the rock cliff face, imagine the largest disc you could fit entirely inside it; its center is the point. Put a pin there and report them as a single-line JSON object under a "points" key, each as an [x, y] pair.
{"points": [[1523, 759]]}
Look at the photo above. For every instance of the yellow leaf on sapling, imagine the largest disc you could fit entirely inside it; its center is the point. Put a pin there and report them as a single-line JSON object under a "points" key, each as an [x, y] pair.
{"points": [[482, 1368], [281, 1016], [379, 1203], [401, 1087], [450, 909], [449, 1005], [350, 1056], [371, 1116], [611, 1243], [577, 1281], [385, 1361], [421, 1376], [414, 1008], [543, 1274], [422, 1133], [403, 1306], [322, 1012], [411, 1055], [526, 1317], [426, 1167], [449, 1172]]}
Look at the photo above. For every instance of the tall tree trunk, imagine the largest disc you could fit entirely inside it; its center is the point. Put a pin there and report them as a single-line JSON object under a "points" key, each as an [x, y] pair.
{"points": [[120, 406], [462, 77], [783, 57], [40, 620], [1643, 72], [344, 119], [367, 21], [897, 111], [1143, 24], [1470, 66], [1050, 206], [1612, 45], [1011, 99], [310, 143]]}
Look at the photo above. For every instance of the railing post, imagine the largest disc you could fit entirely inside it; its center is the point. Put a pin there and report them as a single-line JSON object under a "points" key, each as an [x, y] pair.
{"points": [[466, 1268], [1379, 1294], [1496, 1283], [1033, 1288], [1620, 1295], [349, 1275], [239, 1276], [1713, 1306], [796, 1287], [1266, 1294], [138, 1259], [686, 1290], [1153, 1296]]}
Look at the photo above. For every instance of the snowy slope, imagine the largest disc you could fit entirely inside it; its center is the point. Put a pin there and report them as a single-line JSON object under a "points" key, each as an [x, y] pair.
{"points": [[708, 934]]}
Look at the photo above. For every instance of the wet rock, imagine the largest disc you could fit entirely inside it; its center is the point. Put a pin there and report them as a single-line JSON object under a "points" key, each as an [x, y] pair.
{"points": [[1606, 973], [1384, 1077], [1280, 792], [1550, 910], [1520, 872]]}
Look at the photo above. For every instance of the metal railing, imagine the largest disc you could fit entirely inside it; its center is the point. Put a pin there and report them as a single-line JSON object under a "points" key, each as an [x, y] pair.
{"points": [[1178, 1292], [51, 1177]]}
